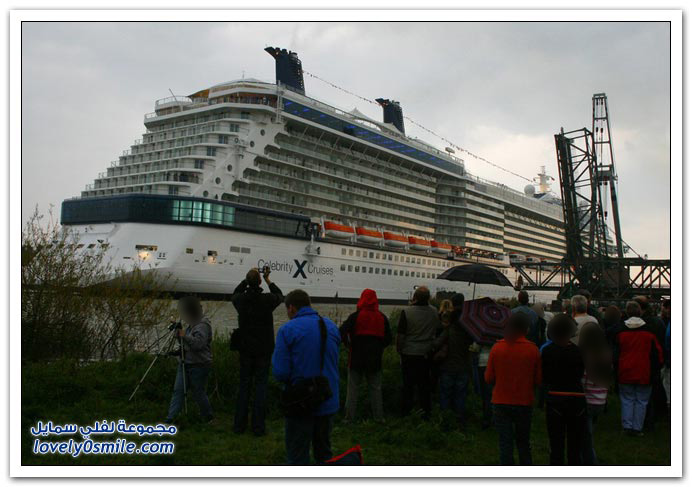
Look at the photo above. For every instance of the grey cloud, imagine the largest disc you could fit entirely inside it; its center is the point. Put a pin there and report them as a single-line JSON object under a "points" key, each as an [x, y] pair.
{"points": [[499, 89]]}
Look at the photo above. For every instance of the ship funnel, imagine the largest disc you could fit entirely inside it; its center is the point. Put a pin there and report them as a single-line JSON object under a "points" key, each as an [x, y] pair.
{"points": [[392, 113], [289, 69]]}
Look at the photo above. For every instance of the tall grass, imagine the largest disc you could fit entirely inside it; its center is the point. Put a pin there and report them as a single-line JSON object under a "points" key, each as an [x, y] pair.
{"points": [[66, 392]]}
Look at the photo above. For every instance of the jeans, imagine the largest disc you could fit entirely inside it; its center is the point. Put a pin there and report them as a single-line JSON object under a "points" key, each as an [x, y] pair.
{"points": [[415, 371], [566, 420], [196, 384], [634, 399], [588, 450], [486, 396], [453, 388], [374, 380], [303, 431], [513, 424], [252, 369]]}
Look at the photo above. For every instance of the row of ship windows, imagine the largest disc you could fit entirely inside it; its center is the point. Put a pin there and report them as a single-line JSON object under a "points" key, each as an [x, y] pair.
{"points": [[214, 253], [389, 272], [408, 259], [531, 221], [188, 250]]}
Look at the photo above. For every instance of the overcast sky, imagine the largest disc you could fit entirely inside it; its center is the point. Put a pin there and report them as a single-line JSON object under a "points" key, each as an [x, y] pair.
{"points": [[500, 90]]}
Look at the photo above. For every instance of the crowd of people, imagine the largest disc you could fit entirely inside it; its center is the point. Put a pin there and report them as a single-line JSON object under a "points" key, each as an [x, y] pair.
{"points": [[563, 360]]}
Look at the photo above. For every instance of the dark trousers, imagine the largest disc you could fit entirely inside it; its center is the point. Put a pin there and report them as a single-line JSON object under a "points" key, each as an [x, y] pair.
{"points": [[253, 369], [486, 396], [566, 421], [513, 425], [588, 450], [195, 384], [415, 371], [657, 406], [301, 432], [453, 388]]}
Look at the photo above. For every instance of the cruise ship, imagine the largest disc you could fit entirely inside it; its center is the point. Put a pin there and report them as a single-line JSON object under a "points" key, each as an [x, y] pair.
{"points": [[249, 173]]}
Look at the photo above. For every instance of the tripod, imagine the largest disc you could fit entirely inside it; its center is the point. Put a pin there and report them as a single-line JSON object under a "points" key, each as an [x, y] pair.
{"points": [[172, 337]]}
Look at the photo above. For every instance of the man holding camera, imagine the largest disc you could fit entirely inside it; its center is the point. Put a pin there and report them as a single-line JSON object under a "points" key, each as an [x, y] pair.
{"points": [[255, 344], [195, 340]]}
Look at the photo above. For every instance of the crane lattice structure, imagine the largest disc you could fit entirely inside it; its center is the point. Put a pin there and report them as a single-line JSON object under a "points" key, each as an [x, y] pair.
{"points": [[588, 183]]}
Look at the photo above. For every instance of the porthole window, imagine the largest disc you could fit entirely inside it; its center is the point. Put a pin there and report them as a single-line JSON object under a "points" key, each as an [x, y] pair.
{"points": [[205, 194], [218, 180], [252, 143], [262, 132], [229, 168]]}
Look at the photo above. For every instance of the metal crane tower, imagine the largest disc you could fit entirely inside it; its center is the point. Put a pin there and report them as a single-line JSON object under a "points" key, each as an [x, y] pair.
{"points": [[605, 166]]}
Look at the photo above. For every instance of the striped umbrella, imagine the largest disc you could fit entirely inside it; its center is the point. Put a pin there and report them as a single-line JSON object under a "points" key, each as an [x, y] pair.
{"points": [[484, 320]]}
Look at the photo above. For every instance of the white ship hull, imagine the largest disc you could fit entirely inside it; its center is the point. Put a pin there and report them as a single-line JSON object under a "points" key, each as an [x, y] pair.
{"points": [[323, 269]]}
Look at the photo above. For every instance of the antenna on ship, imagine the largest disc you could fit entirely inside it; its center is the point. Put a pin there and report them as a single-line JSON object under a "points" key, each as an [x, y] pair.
{"points": [[174, 97], [543, 181]]}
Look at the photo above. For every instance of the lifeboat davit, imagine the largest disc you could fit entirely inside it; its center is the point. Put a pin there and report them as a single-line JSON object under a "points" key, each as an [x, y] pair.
{"points": [[416, 243], [367, 235], [440, 248], [337, 230], [394, 239]]}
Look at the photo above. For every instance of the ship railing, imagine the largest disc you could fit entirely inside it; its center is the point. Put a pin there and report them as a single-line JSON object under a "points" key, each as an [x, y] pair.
{"points": [[173, 100], [200, 102]]}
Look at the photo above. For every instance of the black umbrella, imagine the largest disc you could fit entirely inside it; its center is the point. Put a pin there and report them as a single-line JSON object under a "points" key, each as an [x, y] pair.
{"points": [[477, 274]]}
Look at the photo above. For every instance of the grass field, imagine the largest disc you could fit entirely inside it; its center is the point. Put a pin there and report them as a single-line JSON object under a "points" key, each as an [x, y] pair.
{"points": [[67, 393]]}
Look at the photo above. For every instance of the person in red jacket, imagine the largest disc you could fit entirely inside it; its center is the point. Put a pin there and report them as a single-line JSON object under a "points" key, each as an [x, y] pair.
{"points": [[514, 367], [636, 350], [366, 334]]}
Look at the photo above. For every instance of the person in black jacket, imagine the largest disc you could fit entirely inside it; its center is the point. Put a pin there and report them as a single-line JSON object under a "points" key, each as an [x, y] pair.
{"points": [[366, 334], [565, 405], [255, 344]]}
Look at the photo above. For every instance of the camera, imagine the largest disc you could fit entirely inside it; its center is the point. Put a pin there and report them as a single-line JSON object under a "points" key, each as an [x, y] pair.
{"points": [[175, 325], [266, 270]]}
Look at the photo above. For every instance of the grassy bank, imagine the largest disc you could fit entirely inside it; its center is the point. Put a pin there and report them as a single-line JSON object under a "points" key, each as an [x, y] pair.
{"points": [[65, 393]]}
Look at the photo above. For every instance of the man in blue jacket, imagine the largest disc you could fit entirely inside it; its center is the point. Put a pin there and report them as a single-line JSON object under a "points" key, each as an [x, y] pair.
{"points": [[297, 356]]}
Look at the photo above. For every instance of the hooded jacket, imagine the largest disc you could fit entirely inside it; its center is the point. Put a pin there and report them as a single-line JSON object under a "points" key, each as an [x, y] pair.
{"points": [[255, 317], [637, 352], [197, 343], [366, 333]]}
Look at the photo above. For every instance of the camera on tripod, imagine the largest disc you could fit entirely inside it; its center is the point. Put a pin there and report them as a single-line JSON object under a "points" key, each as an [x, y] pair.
{"points": [[175, 325]]}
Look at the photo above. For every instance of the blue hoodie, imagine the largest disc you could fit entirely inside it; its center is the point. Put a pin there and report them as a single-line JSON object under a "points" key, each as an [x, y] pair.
{"points": [[297, 354]]}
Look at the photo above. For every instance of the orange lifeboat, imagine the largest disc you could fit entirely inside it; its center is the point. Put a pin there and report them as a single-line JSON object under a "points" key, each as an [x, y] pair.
{"points": [[337, 230], [440, 248], [394, 239], [367, 235], [416, 243]]}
